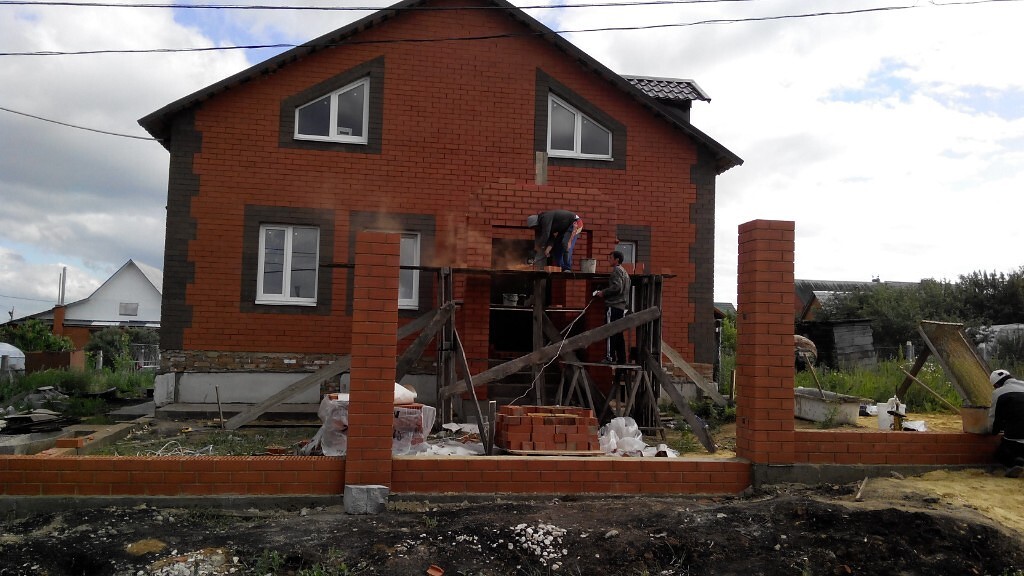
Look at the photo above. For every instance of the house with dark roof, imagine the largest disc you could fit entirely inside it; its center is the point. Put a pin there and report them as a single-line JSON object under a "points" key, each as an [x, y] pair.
{"points": [[447, 122]]}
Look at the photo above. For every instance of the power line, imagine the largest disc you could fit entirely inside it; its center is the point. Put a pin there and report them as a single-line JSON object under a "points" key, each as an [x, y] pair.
{"points": [[74, 126], [23, 298], [359, 8], [474, 38]]}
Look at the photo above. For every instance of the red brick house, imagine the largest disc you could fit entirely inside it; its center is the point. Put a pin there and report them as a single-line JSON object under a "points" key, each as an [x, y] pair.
{"points": [[449, 126]]}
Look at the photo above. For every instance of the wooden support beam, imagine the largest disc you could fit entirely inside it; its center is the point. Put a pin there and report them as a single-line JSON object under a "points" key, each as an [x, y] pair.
{"points": [[933, 393], [922, 357], [677, 359], [484, 428], [552, 334], [548, 352], [415, 350], [696, 424], [339, 366]]}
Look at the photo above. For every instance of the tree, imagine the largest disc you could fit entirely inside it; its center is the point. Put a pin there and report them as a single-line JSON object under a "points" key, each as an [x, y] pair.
{"points": [[34, 336], [116, 344]]}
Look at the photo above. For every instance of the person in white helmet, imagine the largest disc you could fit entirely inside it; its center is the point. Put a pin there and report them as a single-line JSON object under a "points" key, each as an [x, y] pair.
{"points": [[1006, 415]]}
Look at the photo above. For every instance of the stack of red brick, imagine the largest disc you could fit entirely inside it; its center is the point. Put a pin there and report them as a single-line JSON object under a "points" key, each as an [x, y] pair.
{"points": [[546, 429]]}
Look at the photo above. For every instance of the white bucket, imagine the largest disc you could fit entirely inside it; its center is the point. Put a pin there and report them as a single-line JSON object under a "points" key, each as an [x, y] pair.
{"points": [[588, 266], [884, 418]]}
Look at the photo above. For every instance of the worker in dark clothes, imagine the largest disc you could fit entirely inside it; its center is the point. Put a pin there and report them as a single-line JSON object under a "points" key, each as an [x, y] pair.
{"points": [[616, 299], [555, 233], [1006, 415]]}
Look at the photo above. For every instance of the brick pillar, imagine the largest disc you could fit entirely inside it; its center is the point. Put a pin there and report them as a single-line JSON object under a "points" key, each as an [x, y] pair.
{"points": [[764, 363], [59, 312], [374, 349]]}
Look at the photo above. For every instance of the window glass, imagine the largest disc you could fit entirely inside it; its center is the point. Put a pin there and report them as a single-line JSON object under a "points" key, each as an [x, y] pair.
{"points": [[351, 106], [303, 268], [628, 250], [315, 118], [408, 280], [340, 116], [595, 139], [571, 134], [288, 258], [273, 261], [563, 127]]}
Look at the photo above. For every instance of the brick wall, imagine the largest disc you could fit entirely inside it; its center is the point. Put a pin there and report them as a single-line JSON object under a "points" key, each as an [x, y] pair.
{"points": [[457, 133], [374, 341], [764, 342], [765, 423]]}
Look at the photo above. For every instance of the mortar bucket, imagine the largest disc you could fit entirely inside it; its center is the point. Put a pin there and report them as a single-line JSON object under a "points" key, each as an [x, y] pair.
{"points": [[975, 420], [588, 266]]}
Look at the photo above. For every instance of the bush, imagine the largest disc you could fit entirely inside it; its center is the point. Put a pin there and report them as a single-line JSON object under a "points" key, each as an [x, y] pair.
{"points": [[34, 336]]}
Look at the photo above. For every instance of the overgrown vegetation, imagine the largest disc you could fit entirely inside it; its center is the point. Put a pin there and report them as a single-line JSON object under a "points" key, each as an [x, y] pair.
{"points": [[977, 300], [114, 346], [82, 387], [34, 336]]}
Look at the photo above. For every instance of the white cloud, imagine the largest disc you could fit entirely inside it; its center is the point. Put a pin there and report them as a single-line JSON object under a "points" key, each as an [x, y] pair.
{"points": [[893, 139]]}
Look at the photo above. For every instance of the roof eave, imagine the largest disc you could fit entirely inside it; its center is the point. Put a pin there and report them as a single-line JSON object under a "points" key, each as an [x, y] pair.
{"points": [[158, 123]]}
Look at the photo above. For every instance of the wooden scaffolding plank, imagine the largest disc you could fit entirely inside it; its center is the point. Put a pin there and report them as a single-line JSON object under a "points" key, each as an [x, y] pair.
{"points": [[343, 364], [548, 352], [677, 360], [415, 350], [696, 424]]}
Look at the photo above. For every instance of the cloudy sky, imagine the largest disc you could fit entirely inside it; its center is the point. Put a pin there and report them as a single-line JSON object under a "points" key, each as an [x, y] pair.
{"points": [[892, 133]]}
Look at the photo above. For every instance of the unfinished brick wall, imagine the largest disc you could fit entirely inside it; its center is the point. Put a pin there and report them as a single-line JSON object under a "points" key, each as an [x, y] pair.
{"points": [[764, 343], [765, 424], [374, 343]]}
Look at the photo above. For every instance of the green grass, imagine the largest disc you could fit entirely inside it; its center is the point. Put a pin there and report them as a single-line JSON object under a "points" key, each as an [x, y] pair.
{"points": [[879, 383], [78, 384]]}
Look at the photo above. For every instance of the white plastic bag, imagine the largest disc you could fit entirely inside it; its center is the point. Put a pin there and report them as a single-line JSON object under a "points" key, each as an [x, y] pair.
{"points": [[334, 432], [403, 395], [622, 437]]}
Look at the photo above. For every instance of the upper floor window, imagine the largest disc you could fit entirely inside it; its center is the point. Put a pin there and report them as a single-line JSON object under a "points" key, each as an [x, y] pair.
{"points": [[409, 280], [288, 257], [572, 134], [341, 116]]}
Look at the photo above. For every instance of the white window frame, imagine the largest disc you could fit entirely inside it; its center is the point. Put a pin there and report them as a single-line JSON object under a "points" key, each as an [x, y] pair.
{"points": [[284, 298], [414, 302], [576, 152], [333, 120]]}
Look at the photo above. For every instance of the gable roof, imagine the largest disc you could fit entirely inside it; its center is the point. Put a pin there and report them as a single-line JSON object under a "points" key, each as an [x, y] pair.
{"points": [[158, 123], [152, 277]]}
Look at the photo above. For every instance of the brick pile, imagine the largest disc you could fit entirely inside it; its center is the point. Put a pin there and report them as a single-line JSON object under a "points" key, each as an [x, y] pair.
{"points": [[546, 429]]}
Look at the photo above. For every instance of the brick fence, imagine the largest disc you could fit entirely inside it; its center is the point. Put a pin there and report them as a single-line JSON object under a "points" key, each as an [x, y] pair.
{"points": [[768, 448]]}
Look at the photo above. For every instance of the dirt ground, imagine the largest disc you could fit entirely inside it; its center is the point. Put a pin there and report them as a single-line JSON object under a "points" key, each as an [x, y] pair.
{"points": [[963, 522]]}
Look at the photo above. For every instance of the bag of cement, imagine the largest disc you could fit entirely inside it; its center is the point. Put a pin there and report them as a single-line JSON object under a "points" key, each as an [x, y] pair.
{"points": [[412, 426]]}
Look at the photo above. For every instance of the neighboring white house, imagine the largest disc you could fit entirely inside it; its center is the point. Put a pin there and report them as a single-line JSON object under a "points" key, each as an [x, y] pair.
{"points": [[130, 298]]}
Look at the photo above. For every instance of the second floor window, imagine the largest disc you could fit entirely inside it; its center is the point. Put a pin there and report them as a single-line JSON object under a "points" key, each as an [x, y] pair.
{"points": [[288, 265], [572, 134], [340, 116]]}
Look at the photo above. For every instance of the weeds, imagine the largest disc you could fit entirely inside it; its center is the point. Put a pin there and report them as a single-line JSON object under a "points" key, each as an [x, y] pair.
{"points": [[268, 562]]}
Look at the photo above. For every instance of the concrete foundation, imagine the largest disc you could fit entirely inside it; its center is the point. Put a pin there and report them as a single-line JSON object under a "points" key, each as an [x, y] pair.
{"points": [[365, 499]]}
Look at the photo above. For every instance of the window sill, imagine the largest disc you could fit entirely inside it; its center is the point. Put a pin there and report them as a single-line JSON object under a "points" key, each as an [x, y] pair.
{"points": [[286, 302]]}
